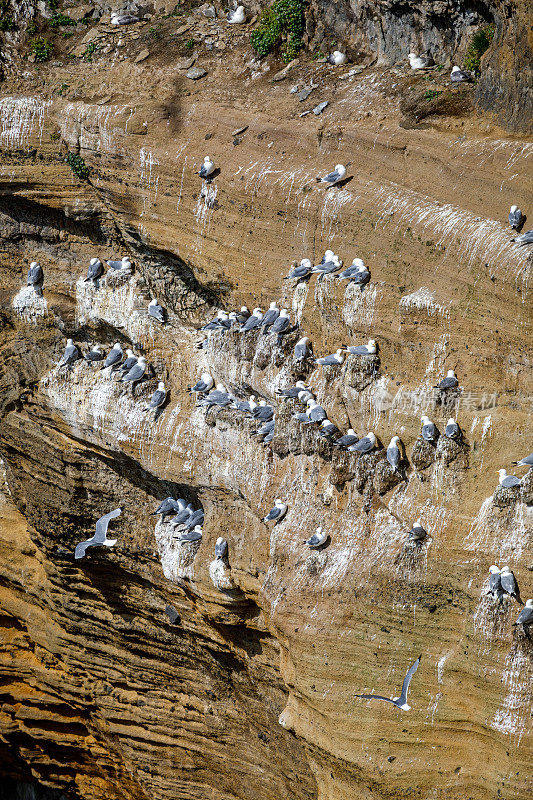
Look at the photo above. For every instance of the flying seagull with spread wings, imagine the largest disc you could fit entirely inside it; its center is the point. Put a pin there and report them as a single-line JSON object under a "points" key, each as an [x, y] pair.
{"points": [[401, 701], [100, 537]]}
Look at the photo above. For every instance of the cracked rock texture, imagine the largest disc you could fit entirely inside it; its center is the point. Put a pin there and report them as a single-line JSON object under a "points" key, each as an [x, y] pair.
{"points": [[149, 670]]}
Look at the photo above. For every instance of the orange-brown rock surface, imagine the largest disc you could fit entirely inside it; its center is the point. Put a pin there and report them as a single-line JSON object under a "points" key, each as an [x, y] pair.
{"points": [[143, 670]]}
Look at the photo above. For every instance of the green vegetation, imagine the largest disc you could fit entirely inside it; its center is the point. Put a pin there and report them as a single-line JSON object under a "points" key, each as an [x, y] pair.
{"points": [[78, 166], [282, 21], [7, 23], [89, 51], [480, 43], [55, 136], [41, 49], [62, 89], [58, 20], [54, 4], [189, 44], [429, 94]]}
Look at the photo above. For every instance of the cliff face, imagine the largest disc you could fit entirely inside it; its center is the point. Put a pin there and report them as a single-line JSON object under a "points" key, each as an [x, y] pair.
{"points": [[146, 670]]}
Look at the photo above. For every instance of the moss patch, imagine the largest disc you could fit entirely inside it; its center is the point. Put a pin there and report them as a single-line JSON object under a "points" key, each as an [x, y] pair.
{"points": [[283, 21]]}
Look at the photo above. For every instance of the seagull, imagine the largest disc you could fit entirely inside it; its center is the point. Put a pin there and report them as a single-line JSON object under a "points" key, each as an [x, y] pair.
{"points": [[122, 19], [95, 270], [263, 412], [168, 506], [207, 168], [508, 481], [281, 324], [156, 311], [221, 548], [401, 701], [336, 58], [136, 372], [369, 349], [247, 406], [94, 355], [183, 515], [270, 316], [459, 75], [196, 518], [328, 266], [265, 430], [349, 438], [277, 513], [302, 350], [242, 315], [114, 356], [205, 383], [131, 360], [303, 270], [525, 617], [293, 391], [524, 462], [317, 539], [394, 455], [357, 273], [315, 413], [509, 584], [216, 397], [100, 537], [193, 535], [420, 62], [495, 583], [524, 238], [417, 532], [35, 275], [515, 217], [305, 395], [120, 264], [430, 431], [327, 429], [364, 445], [70, 355], [158, 397], [253, 321], [236, 17], [452, 430], [332, 361], [334, 177], [449, 382]]}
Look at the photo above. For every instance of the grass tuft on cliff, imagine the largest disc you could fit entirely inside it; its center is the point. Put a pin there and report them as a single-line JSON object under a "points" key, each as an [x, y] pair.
{"points": [[480, 43], [283, 21], [78, 166]]}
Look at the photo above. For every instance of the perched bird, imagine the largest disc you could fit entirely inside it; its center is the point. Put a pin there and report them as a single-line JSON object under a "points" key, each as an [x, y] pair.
{"points": [[183, 515], [508, 481], [459, 75], [236, 17], [336, 58], [293, 391], [509, 584], [205, 383], [263, 411], [328, 429], [346, 441], [495, 583], [315, 413], [282, 323], [122, 264], [277, 513], [401, 701], [452, 429], [430, 432], [334, 360], [394, 456], [193, 535], [221, 548], [303, 270], [364, 445], [95, 270], [94, 355], [246, 406], [216, 397], [515, 217], [525, 617], [168, 506], [100, 536], [242, 315], [270, 316], [449, 382], [417, 533], [196, 518], [158, 397], [302, 350], [317, 539], [420, 62], [357, 273], [131, 360], [524, 462], [114, 356], [338, 174], [156, 311], [35, 276], [136, 372], [265, 429], [118, 18], [70, 355], [253, 321], [369, 349], [524, 238], [328, 266], [305, 395], [207, 168]]}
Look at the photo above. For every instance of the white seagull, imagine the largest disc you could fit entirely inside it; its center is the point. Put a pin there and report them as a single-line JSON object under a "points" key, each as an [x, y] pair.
{"points": [[515, 217], [207, 168], [158, 397], [317, 539], [429, 430], [236, 17], [156, 311], [100, 536], [70, 355], [394, 455], [525, 617], [459, 75], [369, 349], [524, 462], [508, 481], [336, 58], [277, 513], [401, 701], [334, 360], [338, 174], [449, 382], [420, 62]]}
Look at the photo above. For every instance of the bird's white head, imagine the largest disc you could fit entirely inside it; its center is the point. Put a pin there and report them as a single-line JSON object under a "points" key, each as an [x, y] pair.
{"points": [[371, 436], [306, 262], [503, 474], [529, 603], [161, 386], [117, 346], [339, 352], [340, 168], [142, 361], [303, 340], [33, 264], [153, 302], [358, 262], [129, 352], [451, 421], [244, 309], [513, 209], [220, 314], [94, 261], [506, 571], [411, 56], [325, 423], [284, 312], [207, 159], [69, 342], [257, 311], [300, 384], [221, 387], [232, 316], [351, 432], [219, 540], [198, 528], [494, 570], [318, 530], [312, 402], [328, 255], [273, 304], [262, 403], [456, 69], [206, 377], [417, 524], [371, 343], [394, 441], [278, 501], [425, 420], [450, 374]]}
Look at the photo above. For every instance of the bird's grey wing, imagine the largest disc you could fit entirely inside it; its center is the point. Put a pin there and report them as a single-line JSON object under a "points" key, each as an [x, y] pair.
{"points": [[375, 697], [273, 513], [79, 552], [393, 456], [510, 481], [157, 398], [332, 177], [135, 373], [102, 523], [407, 680], [525, 617], [495, 583], [509, 584]]}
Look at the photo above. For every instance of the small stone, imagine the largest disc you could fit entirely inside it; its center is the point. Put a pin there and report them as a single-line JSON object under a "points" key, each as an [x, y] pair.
{"points": [[295, 89], [208, 136], [142, 56], [195, 73], [390, 759], [304, 113], [304, 93], [282, 74], [182, 29], [208, 11], [320, 108], [186, 63]]}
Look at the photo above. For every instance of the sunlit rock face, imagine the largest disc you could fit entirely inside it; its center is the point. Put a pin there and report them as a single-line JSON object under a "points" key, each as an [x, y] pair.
{"points": [[153, 668]]}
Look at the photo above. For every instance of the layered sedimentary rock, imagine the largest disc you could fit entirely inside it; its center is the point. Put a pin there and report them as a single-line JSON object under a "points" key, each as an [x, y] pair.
{"points": [[146, 670]]}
